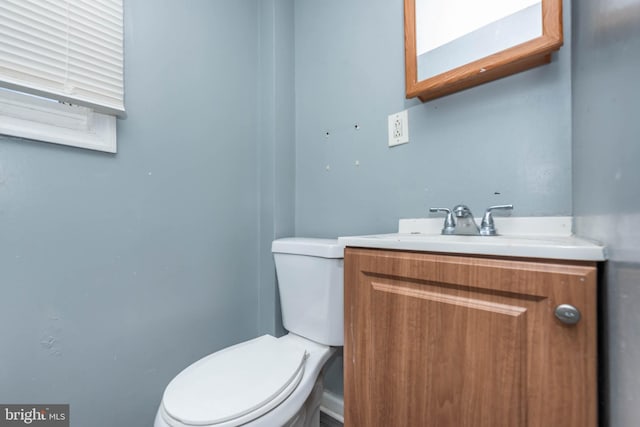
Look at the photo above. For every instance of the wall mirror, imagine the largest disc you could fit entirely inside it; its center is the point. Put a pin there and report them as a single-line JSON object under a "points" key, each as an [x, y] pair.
{"points": [[456, 44]]}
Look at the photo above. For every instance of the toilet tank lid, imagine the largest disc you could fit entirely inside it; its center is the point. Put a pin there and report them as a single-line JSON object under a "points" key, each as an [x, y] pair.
{"points": [[325, 248]]}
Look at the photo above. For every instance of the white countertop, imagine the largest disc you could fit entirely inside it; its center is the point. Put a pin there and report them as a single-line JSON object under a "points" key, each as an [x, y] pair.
{"points": [[530, 237]]}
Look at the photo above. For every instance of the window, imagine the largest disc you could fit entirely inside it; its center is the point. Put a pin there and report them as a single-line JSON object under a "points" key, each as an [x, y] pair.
{"points": [[61, 70]]}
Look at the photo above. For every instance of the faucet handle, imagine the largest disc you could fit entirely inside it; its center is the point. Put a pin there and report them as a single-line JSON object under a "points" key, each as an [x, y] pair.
{"points": [[449, 220], [487, 227]]}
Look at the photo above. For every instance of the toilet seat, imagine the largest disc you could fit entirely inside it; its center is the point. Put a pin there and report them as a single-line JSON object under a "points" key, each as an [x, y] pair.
{"points": [[235, 385]]}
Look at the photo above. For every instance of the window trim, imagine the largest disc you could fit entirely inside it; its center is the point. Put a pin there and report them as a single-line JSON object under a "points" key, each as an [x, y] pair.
{"points": [[40, 119]]}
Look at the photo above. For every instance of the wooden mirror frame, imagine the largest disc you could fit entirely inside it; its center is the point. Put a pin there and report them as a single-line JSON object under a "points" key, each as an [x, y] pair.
{"points": [[518, 58]]}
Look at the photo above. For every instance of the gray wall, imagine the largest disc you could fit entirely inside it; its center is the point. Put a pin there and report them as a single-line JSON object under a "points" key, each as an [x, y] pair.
{"points": [[606, 152], [276, 148], [117, 271], [511, 136]]}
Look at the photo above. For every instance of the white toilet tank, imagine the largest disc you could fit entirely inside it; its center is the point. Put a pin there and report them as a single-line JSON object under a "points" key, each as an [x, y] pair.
{"points": [[310, 280]]}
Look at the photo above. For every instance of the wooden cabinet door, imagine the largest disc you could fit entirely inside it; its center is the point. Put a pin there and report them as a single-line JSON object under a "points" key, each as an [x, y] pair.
{"points": [[455, 341]]}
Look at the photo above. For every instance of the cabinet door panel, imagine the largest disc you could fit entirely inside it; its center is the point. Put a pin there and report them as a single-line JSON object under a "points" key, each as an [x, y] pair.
{"points": [[444, 369], [435, 340]]}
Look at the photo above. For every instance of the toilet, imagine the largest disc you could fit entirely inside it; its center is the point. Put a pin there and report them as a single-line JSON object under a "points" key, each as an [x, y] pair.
{"points": [[269, 381]]}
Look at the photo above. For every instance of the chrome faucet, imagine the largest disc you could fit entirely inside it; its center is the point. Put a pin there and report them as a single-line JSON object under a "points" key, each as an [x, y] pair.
{"points": [[460, 221], [449, 220], [487, 227], [465, 224]]}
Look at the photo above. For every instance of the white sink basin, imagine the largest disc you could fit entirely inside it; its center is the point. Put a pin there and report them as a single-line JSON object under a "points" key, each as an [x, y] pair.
{"points": [[536, 245]]}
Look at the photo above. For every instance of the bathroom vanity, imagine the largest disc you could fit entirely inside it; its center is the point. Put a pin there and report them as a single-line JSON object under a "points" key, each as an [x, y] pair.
{"points": [[442, 332]]}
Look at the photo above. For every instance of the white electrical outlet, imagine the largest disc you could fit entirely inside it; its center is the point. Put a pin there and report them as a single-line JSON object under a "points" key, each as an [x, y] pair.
{"points": [[398, 128]]}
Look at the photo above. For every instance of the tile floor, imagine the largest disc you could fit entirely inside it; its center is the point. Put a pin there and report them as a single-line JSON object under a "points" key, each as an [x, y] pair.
{"points": [[327, 421]]}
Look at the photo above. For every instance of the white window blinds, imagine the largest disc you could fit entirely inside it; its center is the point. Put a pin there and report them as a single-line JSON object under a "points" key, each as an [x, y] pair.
{"points": [[69, 50]]}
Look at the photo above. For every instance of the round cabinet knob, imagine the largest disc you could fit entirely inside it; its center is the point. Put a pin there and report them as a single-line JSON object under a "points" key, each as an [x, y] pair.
{"points": [[567, 314]]}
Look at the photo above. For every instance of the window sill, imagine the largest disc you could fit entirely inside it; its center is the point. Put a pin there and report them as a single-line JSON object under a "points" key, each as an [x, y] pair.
{"points": [[45, 120]]}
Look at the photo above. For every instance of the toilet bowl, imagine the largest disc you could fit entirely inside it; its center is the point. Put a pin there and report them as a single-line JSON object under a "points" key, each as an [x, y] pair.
{"points": [[268, 381]]}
